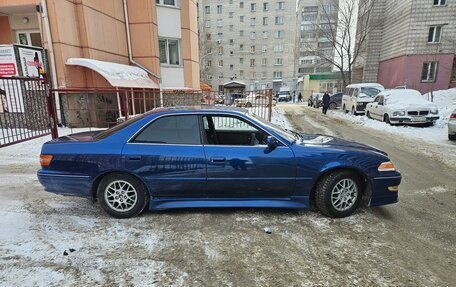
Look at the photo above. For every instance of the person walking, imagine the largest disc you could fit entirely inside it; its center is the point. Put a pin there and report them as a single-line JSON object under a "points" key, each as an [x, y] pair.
{"points": [[325, 102], [299, 97]]}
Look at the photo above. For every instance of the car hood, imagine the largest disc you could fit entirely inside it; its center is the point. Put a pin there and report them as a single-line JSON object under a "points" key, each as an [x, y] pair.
{"points": [[337, 143]]}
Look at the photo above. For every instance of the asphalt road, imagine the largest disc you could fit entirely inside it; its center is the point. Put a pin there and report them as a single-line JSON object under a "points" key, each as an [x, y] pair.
{"points": [[411, 243]]}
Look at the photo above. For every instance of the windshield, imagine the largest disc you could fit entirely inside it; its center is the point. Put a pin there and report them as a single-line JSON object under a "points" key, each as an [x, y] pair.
{"points": [[277, 129], [116, 128], [369, 92]]}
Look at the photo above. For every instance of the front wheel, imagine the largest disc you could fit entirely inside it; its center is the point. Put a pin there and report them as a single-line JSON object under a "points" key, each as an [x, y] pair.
{"points": [[332, 106], [122, 195], [345, 110], [338, 194], [452, 137], [368, 115]]}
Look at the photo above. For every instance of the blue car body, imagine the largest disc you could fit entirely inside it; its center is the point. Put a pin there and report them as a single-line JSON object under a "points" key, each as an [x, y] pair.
{"points": [[180, 175]]}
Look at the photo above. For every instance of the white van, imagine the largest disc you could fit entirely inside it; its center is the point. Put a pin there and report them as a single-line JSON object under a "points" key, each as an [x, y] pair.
{"points": [[357, 96]]}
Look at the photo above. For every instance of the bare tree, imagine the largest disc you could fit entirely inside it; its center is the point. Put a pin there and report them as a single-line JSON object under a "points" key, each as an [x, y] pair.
{"points": [[345, 26]]}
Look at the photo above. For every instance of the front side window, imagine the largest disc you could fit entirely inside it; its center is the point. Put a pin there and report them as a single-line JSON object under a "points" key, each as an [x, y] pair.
{"points": [[171, 130], [429, 72], [228, 130], [434, 34], [169, 52]]}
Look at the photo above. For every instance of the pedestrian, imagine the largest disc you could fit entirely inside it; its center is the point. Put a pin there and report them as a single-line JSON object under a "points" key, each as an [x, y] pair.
{"points": [[294, 97], [3, 102], [299, 97], [325, 102]]}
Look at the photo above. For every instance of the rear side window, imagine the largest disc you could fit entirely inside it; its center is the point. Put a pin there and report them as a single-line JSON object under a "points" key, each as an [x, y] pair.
{"points": [[171, 130]]}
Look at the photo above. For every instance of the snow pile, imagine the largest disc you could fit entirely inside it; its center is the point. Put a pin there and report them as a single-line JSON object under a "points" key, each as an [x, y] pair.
{"points": [[446, 103]]}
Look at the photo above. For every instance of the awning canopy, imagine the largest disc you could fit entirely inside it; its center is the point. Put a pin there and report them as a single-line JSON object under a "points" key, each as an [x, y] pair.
{"points": [[234, 84], [118, 75]]}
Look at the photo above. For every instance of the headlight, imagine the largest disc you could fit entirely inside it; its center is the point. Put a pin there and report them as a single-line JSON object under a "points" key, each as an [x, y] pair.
{"points": [[399, 113], [434, 111], [360, 104], [386, 166]]}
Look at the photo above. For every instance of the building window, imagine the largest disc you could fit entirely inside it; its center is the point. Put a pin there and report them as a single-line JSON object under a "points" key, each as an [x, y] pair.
{"points": [[208, 23], [278, 47], [231, 14], [241, 4], [265, 21], [241, 73], [279, 34], [252, 21], [264, 61], [279, 20], [281, 5], [434, 34], [209, 63], [278, 61], [241, 18], [219, 23], [231, 67], [252, 7], [207, 9], [208, 36], [241, 33], [265, 6], [220, 63], [252, 62], [264, 48], [323, 45], [167, 2], [265, 34], [252, 49], [169, 52], [241, 47], [231, 42], [219, 37], [252, 35], [306, 62], [439, 2], [309, 18], [231, 28], [277, 74], [429, 72], [220, 50], [231, 2], [231, 53], [209, 77], [219, 9], [241, 60], [263, 76]]}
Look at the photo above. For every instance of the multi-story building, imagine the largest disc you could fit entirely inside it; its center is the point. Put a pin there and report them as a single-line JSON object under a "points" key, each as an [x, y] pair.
{"points": [[412, 43], [248, 41], [313, 17], [163, 37]]}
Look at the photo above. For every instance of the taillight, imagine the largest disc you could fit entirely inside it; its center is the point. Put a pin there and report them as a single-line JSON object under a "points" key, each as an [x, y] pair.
{"points": [[45, 159], [453, 117]]}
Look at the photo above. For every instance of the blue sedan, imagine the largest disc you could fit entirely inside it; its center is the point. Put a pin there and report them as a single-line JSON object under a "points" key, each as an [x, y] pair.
{"points": [[215, 157]]}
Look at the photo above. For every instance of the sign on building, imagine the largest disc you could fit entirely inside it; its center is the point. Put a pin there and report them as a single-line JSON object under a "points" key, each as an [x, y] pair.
{"points": [[11, 99]]}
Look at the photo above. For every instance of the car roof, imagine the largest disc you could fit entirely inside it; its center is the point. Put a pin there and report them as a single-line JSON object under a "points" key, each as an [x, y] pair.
{"points": [[197, 109], [361, 85]]}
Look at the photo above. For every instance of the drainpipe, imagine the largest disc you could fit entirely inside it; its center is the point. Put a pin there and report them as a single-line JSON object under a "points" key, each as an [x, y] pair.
{"points": [[130, 54], [51, 58]]}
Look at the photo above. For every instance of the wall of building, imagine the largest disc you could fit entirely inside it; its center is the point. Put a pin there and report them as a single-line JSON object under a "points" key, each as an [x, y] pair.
{"points": [[189, 43], [5, 31], [406, 70]]}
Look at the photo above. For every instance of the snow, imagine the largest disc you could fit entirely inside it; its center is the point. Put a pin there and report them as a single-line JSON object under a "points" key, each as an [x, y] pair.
{"points": [[406, 99]]}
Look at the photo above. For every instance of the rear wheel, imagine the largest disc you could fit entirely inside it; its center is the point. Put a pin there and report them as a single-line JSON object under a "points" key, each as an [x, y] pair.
{"points": [[332, 106], [452, 137], [338, 194], [353, 111], [122, 195], [368, 115]]}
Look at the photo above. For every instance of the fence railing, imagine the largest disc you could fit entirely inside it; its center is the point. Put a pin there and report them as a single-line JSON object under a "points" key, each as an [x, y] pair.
{"points": [[25, 109]]}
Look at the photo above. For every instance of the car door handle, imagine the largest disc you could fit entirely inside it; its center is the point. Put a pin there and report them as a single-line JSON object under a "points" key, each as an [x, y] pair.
{"points": [[218, 159], [134, 158]]}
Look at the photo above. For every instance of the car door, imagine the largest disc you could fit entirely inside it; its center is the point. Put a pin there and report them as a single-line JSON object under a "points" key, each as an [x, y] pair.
{"points": [[167, 154], [373, 110], [380, 108], [240, 165]]}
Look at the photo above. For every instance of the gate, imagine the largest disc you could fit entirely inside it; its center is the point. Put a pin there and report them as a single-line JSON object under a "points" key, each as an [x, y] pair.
{"points": [[26, 110]]}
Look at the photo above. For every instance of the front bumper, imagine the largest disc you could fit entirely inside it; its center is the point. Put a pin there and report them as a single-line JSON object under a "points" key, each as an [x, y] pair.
{"points": [[380, 192], [66, 184], [414, 120]]}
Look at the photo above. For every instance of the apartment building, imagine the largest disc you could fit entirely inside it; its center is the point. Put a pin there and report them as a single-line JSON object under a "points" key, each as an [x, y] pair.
{"points": [[412, 44], [247, 41], [162, 36], [313, 17]]}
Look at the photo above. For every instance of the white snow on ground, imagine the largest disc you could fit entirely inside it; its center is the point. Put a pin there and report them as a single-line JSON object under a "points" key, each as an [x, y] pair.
{"points": [[446, 103]]}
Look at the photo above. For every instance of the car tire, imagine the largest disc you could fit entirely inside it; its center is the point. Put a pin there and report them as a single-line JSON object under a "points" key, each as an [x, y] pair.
{"points": [[332, 106], [353, 112], [452, 137], [368, 115], [115, 186], [386, 119], [345, 110], [338, 194]]}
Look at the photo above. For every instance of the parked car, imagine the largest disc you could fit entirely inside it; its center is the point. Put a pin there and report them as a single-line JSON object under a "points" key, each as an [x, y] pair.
{"points": [[357, 96], [230, 98], [452, 126], [402, 106], [335, 101], [315, 100], [254, 100], [284, 96], [215, 157]]}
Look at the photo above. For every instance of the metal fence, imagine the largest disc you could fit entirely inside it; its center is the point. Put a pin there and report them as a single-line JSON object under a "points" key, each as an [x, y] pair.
{"points": [[26, 110]]}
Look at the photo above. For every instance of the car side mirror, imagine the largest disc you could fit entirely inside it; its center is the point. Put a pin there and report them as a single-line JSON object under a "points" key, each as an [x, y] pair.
{"points": [[272, 142]]}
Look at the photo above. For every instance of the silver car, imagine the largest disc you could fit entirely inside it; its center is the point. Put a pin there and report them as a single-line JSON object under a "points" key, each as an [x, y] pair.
{"points": [[452, 126]]}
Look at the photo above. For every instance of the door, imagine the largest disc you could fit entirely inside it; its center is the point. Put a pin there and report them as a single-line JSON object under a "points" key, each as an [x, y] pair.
{"points": [[169, 157], [240, 165]]}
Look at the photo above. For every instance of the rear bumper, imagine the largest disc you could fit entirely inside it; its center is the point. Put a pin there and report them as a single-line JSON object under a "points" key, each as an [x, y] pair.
{"points": [[66, 184], [380, 194]]}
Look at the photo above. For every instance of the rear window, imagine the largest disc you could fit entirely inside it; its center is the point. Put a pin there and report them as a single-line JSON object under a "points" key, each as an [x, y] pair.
{"points": [[116, 128]]}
